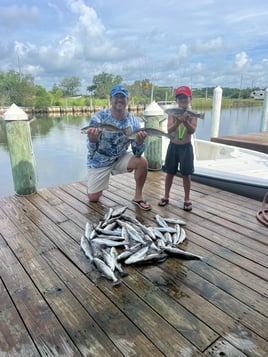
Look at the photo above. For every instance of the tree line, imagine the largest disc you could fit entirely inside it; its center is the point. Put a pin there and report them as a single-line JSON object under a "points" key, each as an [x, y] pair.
{"points": [[19, 88]]}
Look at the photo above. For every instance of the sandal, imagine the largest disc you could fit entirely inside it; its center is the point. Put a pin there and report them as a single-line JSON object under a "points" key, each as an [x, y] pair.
{"points": [[163, 202], [187, 206], [141, 203]]}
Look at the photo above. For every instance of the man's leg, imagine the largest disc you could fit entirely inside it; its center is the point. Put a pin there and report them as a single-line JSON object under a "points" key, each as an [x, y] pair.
{"points": [[98, 180], [140, 167], [94, 197]]}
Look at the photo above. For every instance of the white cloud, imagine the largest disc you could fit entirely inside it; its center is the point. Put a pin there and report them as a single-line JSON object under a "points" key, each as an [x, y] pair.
{"points": [[194, 42], [241, 60]]}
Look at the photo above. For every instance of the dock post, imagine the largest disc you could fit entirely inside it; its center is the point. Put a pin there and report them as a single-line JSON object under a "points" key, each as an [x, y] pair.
{"points": [[153, 117], [264, 115], [216, 112], [20, 150]]}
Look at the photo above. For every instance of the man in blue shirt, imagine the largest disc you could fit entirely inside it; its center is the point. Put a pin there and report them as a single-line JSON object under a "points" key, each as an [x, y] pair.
{"points": [[108, 150]]}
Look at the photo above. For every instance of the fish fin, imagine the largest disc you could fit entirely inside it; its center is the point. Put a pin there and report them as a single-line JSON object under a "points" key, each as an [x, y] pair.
{"points": [[116, 283]]}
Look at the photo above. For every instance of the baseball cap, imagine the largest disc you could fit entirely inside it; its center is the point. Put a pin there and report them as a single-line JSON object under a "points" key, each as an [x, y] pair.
{"points": [[119, 89], [183, 90]]}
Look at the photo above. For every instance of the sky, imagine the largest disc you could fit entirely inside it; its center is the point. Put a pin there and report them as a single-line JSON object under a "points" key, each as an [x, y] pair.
{"points": [[200, 43]]}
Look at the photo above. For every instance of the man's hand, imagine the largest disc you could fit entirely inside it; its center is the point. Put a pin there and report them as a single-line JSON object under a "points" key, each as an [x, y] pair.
{"points": [[93, 134], [140, 137]]}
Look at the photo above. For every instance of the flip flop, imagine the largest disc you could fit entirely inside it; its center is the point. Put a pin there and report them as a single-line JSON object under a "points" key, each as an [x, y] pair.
{"points": [[140, 204], [163, 202], [187, 206]]}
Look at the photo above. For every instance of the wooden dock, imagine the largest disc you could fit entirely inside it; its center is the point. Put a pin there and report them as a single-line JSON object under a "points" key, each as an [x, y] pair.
{"points": [[252, 141], [53, 303]]}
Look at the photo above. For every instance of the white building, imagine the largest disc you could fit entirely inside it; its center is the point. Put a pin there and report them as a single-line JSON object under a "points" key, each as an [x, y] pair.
{"points": [[257, 94]]}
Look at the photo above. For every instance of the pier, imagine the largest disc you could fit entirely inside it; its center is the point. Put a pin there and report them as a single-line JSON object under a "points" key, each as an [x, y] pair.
{"points": [[54, 303], [252, 141]]}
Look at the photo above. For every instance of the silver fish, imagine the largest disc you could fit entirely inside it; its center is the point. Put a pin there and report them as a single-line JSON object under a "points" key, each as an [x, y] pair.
{"points": [[108, 259], [106, 271], [150, 132], [127, 131], [176, 236], [132, 232], [161, 244], [166, 229], [177, 111], [160, 221], [182, 254], [168, 238], [182, 236], [107, 127], [110, 237], [158, 234], [174, 220], [118, 211], [108, 215], [108, 232], [152, 258], [137, 256], [128, 252], [87, 249], [108, 242], [118, 265], [88, 230]]}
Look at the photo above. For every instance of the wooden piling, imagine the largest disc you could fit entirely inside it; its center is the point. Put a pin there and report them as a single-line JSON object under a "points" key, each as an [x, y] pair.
{"points": [[20, 151], [264, 116], [216, 111], [153, 116]]}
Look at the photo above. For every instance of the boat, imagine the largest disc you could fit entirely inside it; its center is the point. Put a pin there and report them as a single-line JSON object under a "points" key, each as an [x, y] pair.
{"points": [[238, 170], [165, 104]]}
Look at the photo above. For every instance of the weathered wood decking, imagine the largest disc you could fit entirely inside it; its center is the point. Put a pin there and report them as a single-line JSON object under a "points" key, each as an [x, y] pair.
{"points": [[52, 303], [251, 141]]}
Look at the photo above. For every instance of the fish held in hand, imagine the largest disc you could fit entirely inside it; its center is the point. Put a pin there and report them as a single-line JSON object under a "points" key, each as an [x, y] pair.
{"points": [[127, 131], [180, 111], [106, 127]]}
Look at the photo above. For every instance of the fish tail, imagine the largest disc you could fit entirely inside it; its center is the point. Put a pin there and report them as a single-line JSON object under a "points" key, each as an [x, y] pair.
{"points": [[116, 283], [204, 259]]}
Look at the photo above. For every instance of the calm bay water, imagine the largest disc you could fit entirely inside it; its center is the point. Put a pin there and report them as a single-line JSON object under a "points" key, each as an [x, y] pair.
{"points": [[60, 149]]}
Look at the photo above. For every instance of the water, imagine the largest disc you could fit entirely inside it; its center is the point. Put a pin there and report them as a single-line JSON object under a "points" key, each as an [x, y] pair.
{"points": [[60, 149], [232, 122]]}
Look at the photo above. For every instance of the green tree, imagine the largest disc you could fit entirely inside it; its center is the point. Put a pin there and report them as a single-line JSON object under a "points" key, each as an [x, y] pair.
{"points": [[104, 83], [16, 88], [91, 89], [70, 86], [42, 97], [57, 94]]}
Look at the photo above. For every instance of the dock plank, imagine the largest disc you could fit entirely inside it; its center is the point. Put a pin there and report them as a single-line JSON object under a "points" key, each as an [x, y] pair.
{"points": [[53, 302], [114, 321], [252, 141], [48, 335], [14, 338]]}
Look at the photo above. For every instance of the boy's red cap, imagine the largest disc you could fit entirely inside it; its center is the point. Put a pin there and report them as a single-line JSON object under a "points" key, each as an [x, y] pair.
{"points": [[183, 90]]}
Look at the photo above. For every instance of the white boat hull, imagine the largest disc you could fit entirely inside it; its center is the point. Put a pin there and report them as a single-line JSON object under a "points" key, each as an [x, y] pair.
{"points": [[230, 168]]}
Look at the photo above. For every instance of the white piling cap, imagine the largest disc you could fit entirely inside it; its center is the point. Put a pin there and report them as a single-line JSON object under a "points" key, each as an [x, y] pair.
{"points": [[15, 113], [153, 109]]}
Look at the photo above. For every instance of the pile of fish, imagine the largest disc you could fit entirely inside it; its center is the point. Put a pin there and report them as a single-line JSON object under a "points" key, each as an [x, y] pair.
{"points": [[119, 238]]}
